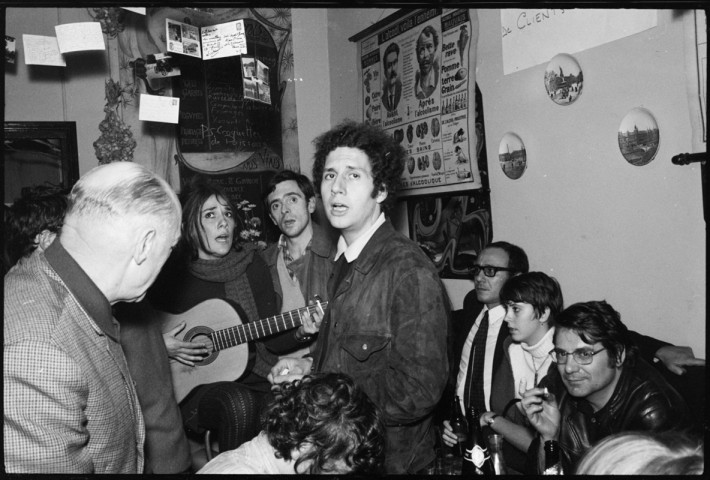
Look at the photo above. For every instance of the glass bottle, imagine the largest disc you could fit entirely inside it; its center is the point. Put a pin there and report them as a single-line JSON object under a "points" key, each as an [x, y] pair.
{"points": [[495, 447], [553, 465], [475, 459], [458, 426]]}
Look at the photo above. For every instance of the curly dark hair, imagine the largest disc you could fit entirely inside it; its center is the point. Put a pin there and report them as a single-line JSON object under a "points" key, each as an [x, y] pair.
{"points": [[331, 414], [597, 321], [385, 154], [39, 208]]}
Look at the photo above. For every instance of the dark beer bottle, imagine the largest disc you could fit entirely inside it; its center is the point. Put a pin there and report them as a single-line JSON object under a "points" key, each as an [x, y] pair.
{"points": [[476, 460], [458, 426], [553, 465]]}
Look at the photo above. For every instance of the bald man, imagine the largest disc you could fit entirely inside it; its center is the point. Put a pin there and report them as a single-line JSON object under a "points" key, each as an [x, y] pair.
{"points": [[70, 405]]}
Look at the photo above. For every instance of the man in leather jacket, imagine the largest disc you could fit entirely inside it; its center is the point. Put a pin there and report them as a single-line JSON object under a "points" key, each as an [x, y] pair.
{"points": [[387, 319], [602, 387]]}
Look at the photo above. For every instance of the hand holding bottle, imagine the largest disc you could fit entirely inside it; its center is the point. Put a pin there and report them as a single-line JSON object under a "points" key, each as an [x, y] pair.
{"points": [[447, 435]]}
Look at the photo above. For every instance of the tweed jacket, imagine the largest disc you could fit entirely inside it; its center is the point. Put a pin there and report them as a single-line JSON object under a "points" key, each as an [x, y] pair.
{"points": [[69, 402], [386, 326]]}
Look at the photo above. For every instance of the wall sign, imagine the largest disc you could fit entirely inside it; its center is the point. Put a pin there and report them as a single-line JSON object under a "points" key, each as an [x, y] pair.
{"points": [[418, 80], [532, 36]]}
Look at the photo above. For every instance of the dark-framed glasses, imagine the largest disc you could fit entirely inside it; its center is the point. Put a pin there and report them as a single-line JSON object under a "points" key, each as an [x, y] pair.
{"points": [[582, 356], [488, 270]]}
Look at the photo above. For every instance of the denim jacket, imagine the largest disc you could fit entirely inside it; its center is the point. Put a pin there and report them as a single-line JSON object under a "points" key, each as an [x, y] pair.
{"points": [[387, 327]]}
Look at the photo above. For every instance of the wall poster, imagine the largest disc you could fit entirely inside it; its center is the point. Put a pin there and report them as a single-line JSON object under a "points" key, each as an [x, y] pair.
{"points": [[418, 74]]}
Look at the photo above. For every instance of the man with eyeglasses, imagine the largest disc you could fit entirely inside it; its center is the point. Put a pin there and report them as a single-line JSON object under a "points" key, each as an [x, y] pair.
{"points": [[603, 387], [477, 367]]}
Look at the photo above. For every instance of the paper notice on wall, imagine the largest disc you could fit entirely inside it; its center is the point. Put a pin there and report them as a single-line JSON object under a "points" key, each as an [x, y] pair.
{"points": [[41, 50], [183, 38], [75, 37], [156, 108], [138, 10], [533, 36], [224, 40]]}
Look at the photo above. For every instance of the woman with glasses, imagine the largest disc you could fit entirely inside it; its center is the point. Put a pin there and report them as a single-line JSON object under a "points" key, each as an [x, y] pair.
{"points": [[532, 302]]}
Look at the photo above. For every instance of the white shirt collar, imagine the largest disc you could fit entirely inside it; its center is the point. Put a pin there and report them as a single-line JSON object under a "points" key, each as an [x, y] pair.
{"points": [[353, 250], [495, 314]]}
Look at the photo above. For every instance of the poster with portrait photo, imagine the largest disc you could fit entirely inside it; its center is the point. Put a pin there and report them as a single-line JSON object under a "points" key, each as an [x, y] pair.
{"points": [[424, 60]]}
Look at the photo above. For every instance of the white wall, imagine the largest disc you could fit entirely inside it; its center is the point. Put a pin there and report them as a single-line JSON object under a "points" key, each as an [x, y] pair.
{"points": [[40, 93], [634, 236]]}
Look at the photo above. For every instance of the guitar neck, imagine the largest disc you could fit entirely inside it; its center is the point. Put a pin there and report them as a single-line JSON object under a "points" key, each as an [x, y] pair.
{"points": [[238, 334]]}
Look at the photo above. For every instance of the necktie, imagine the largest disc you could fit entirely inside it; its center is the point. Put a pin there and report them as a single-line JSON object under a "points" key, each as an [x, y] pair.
{"points": [[473, 392]]}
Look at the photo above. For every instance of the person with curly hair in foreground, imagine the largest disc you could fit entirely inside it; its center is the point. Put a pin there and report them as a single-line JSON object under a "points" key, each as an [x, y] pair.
{"points": [[320, 424]]}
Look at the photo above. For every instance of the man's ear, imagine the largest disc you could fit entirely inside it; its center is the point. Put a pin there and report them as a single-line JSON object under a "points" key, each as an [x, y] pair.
{"points": [[146, 239], [44, 239], [545, 315], [621, 358], [381, 194], [312, 205]]}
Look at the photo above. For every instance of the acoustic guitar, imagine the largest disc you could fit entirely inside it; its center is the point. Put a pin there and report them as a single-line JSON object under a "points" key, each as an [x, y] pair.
{"points": [[216, 323]]}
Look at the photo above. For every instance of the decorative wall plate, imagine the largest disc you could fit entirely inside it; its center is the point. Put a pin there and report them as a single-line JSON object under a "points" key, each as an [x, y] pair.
{"points": [[512, 156], [638, 137], [563, 79]]}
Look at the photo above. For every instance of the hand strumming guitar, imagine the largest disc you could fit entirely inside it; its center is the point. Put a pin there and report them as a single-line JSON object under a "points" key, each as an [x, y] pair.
{"points": [[184, 352]]}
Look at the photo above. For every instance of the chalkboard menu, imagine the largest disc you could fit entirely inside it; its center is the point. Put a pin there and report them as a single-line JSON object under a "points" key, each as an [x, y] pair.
{"points": [[218, 128]]}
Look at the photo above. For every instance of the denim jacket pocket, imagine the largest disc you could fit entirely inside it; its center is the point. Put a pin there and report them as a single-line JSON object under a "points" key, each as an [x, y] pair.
{"points": [[363, 346]]}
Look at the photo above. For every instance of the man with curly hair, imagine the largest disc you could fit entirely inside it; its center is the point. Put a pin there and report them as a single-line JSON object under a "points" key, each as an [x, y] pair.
{"points": [[319, 424], [387, 318]]}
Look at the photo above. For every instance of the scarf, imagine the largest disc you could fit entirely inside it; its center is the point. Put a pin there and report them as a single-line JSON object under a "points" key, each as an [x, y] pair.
{"points": [[232, 271]]}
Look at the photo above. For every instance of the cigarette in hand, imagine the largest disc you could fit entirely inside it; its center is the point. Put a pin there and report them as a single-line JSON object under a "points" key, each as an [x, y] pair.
{"points": [[545, 392], [284, 371]]}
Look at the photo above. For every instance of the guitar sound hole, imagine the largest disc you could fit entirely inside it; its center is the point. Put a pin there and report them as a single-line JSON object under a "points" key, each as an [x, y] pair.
{"points": [[202, 335]]}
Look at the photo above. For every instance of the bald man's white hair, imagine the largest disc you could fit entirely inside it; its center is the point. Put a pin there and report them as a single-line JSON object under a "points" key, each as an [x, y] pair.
{"points": [[123, 188]]}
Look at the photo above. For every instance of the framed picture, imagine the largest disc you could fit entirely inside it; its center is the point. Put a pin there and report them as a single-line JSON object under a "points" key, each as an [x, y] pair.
{"points": [[37, 153]]}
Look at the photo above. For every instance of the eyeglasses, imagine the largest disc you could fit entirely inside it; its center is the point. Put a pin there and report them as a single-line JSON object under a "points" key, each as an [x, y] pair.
{"points": [[581, 356], [488, 270]]}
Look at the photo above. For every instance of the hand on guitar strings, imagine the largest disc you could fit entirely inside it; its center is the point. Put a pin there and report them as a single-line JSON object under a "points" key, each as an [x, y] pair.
{"points": [[311, 323], [184, 352]]}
